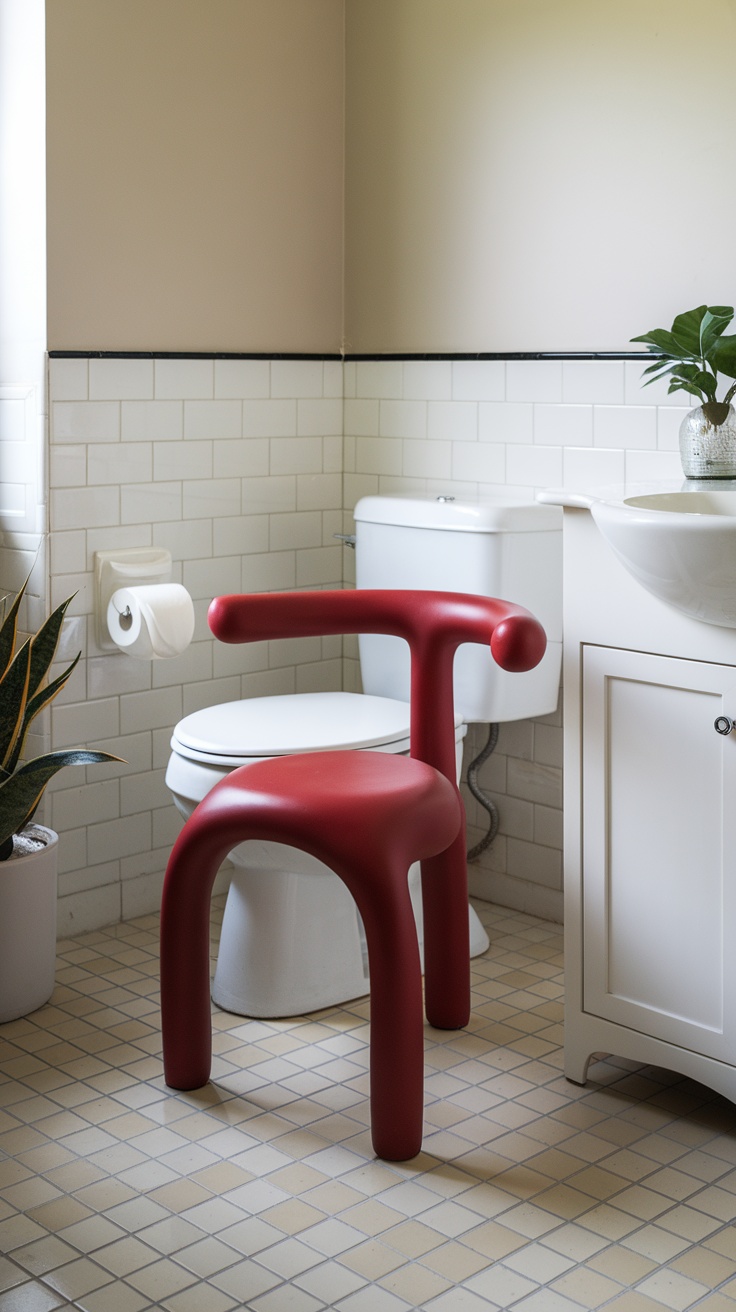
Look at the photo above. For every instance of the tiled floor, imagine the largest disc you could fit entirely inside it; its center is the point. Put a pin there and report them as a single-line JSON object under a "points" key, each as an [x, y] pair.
{"points": [[261, 1191]]}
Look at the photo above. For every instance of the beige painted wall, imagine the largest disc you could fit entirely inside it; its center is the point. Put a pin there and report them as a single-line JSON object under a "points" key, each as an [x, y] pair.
{"points": [[536, 174], [195, 174], [521, 174]]}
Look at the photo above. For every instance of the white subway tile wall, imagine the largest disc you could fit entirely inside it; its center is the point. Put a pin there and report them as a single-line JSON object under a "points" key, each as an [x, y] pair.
{"points": [[236, 467], [465, 427], [245, 469]]}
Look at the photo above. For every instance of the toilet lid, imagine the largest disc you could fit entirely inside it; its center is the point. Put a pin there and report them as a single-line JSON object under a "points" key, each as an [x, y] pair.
{"points": [[297, 722]]}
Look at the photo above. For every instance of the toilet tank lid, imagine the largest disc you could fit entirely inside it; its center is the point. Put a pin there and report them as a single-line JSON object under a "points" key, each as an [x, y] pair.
{"points": [[489, 514]]}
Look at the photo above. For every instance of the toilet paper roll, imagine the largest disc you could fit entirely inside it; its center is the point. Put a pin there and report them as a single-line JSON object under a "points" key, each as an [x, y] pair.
{"points": [[152, 621]]}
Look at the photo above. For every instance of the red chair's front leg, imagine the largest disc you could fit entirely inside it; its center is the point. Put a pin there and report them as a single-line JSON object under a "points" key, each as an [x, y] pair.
{"points": [[397, 1021], [186, 1020]]}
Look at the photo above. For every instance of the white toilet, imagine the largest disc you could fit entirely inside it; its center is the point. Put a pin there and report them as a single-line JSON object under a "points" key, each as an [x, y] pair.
{"points": [[292, 940]]}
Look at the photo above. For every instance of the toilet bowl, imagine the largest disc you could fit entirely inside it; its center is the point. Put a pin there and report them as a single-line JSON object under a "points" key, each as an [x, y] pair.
{"points": [[292, 940]]}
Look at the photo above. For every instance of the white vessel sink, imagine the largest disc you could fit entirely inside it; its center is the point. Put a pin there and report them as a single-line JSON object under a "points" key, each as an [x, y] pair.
{"points": [[680, 545]]}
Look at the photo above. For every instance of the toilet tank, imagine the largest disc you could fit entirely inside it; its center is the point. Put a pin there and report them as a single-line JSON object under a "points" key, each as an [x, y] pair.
{"points": [[497, 547]]}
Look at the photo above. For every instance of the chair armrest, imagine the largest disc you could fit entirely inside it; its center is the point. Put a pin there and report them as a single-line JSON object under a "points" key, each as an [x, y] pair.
{"points": [[434, 624]]}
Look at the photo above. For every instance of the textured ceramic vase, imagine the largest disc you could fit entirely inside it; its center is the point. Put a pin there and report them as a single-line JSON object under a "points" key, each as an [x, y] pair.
{"points": [[28, 928], [708, 450]]}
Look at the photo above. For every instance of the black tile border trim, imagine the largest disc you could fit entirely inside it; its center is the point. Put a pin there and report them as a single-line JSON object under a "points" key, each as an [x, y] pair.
{"points": [[350, 358], [508, 355], [191, 355]]}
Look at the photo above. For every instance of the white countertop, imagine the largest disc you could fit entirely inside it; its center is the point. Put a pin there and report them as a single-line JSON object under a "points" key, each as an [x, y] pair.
{"points": [[583, 499]]}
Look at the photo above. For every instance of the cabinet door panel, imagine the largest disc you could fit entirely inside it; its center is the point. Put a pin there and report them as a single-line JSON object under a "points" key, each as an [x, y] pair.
{"points": [[659, 793]]}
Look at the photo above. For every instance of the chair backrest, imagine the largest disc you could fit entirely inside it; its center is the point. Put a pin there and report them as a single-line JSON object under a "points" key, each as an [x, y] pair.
{"points": [[433, 623]]}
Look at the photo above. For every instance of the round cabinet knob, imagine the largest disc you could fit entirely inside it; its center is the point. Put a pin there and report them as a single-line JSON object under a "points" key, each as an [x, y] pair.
{"points": [[723, 724]]}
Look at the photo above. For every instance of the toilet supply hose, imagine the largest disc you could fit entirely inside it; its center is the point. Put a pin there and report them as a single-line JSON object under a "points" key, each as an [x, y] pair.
{"points": [[480, 796]]}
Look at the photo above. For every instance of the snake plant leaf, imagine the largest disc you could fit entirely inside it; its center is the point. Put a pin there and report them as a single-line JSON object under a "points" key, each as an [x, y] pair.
{"points": [[45, 695], [43, 646], [21, 792], [24, 691], [36, 704], [13, 696], [8, 633]]}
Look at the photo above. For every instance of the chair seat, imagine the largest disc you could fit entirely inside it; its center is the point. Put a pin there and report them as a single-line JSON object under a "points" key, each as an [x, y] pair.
{"points": [[317, 801]]}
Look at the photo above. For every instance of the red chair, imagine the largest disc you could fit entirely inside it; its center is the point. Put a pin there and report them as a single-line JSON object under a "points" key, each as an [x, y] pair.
{"points": [[366, 815]]}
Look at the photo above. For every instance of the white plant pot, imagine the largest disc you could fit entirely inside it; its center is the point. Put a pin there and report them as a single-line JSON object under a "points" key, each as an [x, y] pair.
{"points": [[28, 928]]}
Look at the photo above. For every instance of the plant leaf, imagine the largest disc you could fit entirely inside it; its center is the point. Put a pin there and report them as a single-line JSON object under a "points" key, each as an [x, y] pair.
{"points": [[8, 632], [36, 704], [706, 382], [701, 378], [20, 792], [13, 695], [660, 340], [724, 356], [659, 369], [689, 371], [694, 336], [43, 646], [678, 385], [686, 331], [681, 373], [715, 321], [45, 695]]}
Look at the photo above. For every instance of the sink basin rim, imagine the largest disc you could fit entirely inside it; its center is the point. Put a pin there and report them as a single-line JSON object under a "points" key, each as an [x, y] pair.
{"points": [[698, 507], [686, 558]]}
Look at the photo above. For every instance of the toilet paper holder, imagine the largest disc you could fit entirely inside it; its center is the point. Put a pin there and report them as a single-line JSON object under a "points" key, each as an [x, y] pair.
{"points": [[126, 568]]}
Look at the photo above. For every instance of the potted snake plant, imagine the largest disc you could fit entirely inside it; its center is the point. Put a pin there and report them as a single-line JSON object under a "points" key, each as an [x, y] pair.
{"points": [[693, 352], [28, 851]]}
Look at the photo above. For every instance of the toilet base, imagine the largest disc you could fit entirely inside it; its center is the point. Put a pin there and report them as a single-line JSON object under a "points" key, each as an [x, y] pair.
{"points": [[292, 942]]}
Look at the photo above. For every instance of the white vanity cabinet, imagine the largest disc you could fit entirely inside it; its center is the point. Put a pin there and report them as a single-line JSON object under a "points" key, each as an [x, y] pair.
{"points": [[658, 904], [650, 821]]}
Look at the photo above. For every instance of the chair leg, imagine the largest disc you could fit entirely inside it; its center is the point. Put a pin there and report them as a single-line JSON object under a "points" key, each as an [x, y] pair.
{"points": [[446, 937], [186, 1019], [396, 1024], [396, 1017]]}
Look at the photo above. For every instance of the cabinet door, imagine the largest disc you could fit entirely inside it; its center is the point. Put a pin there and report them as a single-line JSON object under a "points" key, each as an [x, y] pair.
{"points": [[659, 802]]}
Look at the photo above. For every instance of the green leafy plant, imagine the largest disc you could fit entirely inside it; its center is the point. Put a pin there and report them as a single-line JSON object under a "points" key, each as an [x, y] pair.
{"points": [[693, 352], [24, 692]]}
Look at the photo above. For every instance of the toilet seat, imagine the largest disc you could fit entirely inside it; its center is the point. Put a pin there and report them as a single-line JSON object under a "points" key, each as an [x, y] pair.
{"points": [[234, 733]]}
